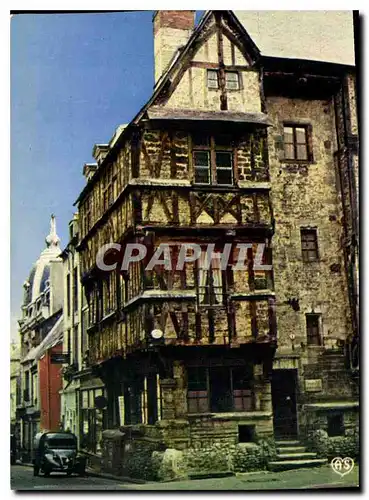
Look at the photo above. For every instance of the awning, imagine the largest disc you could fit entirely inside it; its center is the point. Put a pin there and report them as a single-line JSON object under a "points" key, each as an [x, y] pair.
{"points": [[162, 113], [54, 336]]}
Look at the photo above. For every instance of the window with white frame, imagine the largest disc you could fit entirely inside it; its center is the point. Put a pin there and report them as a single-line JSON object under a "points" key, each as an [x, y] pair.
{"points": [[232, 80], [212, 159], [212, 79]]}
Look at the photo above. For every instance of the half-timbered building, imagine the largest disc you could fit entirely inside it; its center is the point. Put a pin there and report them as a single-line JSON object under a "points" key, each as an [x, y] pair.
{"points": [[233, 147]]}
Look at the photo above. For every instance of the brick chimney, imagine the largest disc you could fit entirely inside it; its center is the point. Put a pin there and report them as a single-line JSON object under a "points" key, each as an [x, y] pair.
{"points": [[172, 29]]}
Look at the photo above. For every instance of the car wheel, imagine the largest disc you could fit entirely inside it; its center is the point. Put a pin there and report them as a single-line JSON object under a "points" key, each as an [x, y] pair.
{"points": [[69, 473], [46, 472]]}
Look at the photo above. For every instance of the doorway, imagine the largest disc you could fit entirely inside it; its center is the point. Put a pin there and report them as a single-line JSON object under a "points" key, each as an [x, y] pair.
{"points": [[284, 403]]}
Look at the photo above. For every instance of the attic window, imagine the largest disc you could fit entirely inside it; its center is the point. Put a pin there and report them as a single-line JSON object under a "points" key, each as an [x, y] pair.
{"points": [[232, 80], [212, 79]]}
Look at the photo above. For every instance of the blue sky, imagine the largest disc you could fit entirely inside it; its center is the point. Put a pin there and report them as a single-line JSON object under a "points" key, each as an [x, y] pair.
{"points": [[74, 79]]}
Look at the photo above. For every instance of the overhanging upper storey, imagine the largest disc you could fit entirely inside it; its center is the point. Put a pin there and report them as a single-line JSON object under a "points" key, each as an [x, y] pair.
{"points": [[158, 113]]}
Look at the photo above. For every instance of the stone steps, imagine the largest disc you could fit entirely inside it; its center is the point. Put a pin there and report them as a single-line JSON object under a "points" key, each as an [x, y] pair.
{"points": [[284, 443], [291, 449], [291, 455], [282, 465], [295, 456]]}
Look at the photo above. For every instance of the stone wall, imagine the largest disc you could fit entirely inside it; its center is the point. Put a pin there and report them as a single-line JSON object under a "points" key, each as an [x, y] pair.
{"points": [[305, 195], [136, 452]]}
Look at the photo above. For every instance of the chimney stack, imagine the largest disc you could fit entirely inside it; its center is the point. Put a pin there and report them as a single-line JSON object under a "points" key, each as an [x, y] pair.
{"points": [[172, 29]]}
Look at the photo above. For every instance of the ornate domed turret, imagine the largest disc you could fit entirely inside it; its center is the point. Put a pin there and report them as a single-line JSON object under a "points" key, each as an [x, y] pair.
{"points": [[39, 277]]}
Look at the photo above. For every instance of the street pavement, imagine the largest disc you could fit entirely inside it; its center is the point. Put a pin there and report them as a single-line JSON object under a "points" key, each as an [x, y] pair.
{"points": [[22, 478], [317, 478]]}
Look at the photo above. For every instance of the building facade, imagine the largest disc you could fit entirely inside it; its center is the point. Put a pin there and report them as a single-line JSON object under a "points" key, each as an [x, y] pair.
{"points": [[40, 330], [81, 386], [234, 147], [15, 390]]}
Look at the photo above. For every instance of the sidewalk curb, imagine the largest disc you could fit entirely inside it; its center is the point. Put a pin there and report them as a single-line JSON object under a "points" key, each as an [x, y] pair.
{"points": [[103, 475]]}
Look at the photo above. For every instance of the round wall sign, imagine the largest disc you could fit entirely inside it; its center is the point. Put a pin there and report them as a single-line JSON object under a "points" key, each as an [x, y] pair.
{"points": [[156, 334]]}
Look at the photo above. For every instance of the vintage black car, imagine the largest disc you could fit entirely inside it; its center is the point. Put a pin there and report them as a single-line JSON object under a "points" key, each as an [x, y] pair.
{"points": [[57, 452]]}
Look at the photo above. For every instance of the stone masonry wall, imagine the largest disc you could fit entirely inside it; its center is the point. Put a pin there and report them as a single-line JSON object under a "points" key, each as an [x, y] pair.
{"points": [[304, 195]]}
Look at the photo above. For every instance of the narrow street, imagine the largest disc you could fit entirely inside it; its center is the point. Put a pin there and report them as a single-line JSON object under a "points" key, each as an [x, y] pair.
{"points": [[317, 478], [22, 478]]}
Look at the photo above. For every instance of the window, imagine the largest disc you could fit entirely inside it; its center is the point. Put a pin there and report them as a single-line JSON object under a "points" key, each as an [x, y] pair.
{"points": [[313, 329], [309, 245], [210, 283], [202, 167], [212, 79], [34, 388], [242, 390], [224, 167], [75, 289], [26, 394], [68, 294], [68, 344], [232, 80], [75, 345], [296, 144], [197, 390], [84, 327], [213, 159], [335, 425], [246, 433], [220, 389], [93, 421]]}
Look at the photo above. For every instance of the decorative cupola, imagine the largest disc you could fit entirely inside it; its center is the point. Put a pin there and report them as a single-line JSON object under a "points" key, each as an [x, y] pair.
{"points": [[52, 239]]}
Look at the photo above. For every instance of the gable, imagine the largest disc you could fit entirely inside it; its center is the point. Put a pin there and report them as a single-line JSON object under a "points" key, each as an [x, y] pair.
{"points": [[222, 48]]}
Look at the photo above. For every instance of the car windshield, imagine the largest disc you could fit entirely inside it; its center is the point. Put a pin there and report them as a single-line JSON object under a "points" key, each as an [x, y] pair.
{"points": [[66, 443]]}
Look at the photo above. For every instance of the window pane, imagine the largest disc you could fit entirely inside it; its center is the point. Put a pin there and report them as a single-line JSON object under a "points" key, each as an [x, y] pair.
{"points": [[224, 160], [288, 135], [313, 329], [232, 80], [212, 79], [289, 152], [202, 175], [300, 135], [201, 158], [301, 152], [224, 176]]}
